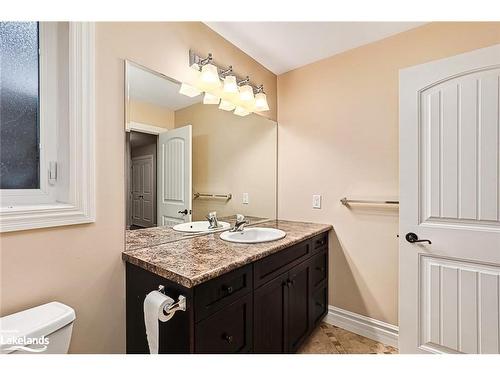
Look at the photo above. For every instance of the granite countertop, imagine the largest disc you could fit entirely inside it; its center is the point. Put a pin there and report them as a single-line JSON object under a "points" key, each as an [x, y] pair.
{"points": [[194, 260], [149, 237]]}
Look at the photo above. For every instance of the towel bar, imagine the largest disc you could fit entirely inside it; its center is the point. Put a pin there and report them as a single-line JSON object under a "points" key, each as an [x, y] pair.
{"points": [[346, 201]]}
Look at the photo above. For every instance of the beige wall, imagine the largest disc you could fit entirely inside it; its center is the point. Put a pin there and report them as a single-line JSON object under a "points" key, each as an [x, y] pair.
{"points": [[81, 265], [150, 114], [232, 154], [338, 136]]}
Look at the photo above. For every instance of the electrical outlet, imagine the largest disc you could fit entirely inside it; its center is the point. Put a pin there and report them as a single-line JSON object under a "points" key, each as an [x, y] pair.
{"points": [[245, 198], [316, 201]]}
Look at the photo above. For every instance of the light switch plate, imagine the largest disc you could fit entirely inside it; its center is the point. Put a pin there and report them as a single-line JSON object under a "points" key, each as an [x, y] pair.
{"points": [[245, 198], [316, 201]]}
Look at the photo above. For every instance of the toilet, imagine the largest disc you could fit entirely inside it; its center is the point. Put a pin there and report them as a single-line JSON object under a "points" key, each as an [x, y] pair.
{"points": [[44, 329]]}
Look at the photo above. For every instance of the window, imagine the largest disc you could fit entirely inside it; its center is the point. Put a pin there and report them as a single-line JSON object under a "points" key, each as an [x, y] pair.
{"points": [[46, 124], [19, 106]]}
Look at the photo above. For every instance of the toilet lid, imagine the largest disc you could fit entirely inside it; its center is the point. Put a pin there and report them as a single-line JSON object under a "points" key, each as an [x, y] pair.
{"points": [[33, 323]]}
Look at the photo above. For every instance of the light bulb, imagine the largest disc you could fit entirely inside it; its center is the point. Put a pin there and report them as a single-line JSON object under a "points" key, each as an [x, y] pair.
{"points": [[261, 102], [230, 85], [246, 93], [240, 111], [226, 105], [209, 77], [210, 99], [189, 90]]}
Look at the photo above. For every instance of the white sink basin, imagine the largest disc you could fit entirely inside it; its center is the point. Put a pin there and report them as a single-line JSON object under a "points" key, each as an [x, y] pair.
{"points": [[200, 226], [254, 235]]}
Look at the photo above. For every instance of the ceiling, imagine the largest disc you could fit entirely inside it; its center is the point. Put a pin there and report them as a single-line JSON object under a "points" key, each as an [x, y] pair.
{"points": [[148, 87], [284, 46]]}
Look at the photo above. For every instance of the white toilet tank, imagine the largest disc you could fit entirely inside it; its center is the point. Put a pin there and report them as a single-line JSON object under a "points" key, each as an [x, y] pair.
{"points": [[44, 329]]}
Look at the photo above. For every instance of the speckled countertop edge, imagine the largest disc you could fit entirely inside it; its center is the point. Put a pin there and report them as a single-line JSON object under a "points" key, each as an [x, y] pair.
{"points": [[194, 260]]}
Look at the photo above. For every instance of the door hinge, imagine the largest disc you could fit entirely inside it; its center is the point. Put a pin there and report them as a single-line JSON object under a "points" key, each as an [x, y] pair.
{"points": [[52, 172]]}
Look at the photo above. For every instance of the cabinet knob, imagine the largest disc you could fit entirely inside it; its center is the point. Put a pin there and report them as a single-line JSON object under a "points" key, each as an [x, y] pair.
{"points": [[227, 288], [320, 304], [320, 269], [227, 338]]}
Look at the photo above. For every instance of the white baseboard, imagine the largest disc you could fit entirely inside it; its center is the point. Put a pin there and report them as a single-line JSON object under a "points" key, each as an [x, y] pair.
{"points": [[362, 325]]}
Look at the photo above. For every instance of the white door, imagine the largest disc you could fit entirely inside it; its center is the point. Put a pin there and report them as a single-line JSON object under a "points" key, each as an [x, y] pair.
{"points": [[174, 176], [143, 191], [450, 194]]}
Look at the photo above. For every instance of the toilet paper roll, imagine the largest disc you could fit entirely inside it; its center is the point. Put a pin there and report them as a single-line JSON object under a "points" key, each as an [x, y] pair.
{"points": [[154, 310]]}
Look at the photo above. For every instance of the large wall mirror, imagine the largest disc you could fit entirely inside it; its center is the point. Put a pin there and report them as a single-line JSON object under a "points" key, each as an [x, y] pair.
{"points": [[186, 159]]}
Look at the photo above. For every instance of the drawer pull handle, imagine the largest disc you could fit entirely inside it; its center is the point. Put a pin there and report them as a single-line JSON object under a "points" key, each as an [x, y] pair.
{"points": [[227, 289], [320, 242], [227, 338], [320, 269]]}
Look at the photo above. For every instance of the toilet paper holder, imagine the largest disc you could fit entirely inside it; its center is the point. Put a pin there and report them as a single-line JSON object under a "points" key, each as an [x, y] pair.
{"points": [[179, 305]]}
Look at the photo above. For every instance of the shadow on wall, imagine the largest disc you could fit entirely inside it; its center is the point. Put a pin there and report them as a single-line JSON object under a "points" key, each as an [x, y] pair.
{"points": [[345, 276]]}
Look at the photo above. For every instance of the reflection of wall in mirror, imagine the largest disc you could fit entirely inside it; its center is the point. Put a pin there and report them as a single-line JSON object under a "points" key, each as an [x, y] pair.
{"points": [[235, 155], [150, 114]]}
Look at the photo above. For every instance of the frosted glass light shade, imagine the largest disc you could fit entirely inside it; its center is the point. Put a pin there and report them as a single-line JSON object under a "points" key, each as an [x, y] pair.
{"points": [[226, 105], [230, 85], [209, 77], [210, 99], [261, 102], [189, 90], [240, 111], [246, 93]]}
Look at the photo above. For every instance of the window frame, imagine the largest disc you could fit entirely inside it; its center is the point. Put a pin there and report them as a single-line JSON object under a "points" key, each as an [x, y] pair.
{"points": [[23, 209]]}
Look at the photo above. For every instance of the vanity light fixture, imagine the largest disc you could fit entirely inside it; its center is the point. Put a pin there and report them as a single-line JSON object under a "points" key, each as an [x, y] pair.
{"points": [[226, 105], [210, 99], [261, 100], [221, 86], [209, 76], [246, 91], [189, 90], [240, 111], [230, 84]]}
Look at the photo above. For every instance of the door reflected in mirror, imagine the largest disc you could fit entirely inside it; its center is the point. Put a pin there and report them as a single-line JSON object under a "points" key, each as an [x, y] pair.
{"points": [[186, 159]]}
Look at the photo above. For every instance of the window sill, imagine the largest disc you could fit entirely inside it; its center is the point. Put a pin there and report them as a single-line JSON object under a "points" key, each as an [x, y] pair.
{"points": [[42, 216]]}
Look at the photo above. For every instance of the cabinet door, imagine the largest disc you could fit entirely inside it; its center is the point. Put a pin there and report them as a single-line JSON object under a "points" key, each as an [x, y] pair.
{"points": [[270, 306], [299, 297], [228, 330]]}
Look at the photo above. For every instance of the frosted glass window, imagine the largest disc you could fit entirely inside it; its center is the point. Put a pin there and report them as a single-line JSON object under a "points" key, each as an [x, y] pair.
{"points": [[19, 106]]}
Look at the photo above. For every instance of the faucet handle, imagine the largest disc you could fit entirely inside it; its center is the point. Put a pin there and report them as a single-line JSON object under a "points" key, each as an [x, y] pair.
{"points": [[212, 214], [240, 218]]}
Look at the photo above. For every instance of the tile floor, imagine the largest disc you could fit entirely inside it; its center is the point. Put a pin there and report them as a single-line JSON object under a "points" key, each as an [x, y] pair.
{"points": [[328, 339]]}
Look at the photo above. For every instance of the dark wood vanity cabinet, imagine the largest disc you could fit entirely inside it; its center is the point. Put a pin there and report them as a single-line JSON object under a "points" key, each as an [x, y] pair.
{"points": [[269, 306]]}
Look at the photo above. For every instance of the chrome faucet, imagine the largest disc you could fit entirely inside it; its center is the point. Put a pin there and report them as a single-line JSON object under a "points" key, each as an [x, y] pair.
{"points": [[212, 220], [240, 223]]}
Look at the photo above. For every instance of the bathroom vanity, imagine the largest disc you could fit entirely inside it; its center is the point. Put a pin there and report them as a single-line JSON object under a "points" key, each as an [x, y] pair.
{"points": [[241, 298]]}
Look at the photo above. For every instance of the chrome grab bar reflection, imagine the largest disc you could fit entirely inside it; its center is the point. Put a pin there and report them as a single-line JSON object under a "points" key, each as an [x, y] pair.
{"points": [[227, 196]]}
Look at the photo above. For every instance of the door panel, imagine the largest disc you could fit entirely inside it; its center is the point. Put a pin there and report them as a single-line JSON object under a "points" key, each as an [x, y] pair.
{"points": [[299, 298], [270, 316], [459, 305], [449, 194], [142, 191], [174, 176]]}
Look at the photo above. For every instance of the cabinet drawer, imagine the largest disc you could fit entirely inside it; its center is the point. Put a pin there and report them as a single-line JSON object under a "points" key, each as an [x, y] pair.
{"points": [[226, 331], [319, 270], [221, 291], [320, 242], [273, 265], [319, 304]]}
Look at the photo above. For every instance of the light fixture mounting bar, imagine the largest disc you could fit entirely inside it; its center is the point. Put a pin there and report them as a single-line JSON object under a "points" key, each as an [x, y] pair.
{"points": [[194, 58]]}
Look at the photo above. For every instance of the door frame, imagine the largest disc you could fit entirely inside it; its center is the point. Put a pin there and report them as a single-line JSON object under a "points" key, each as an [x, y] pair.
{"points": [[138, 128]]}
